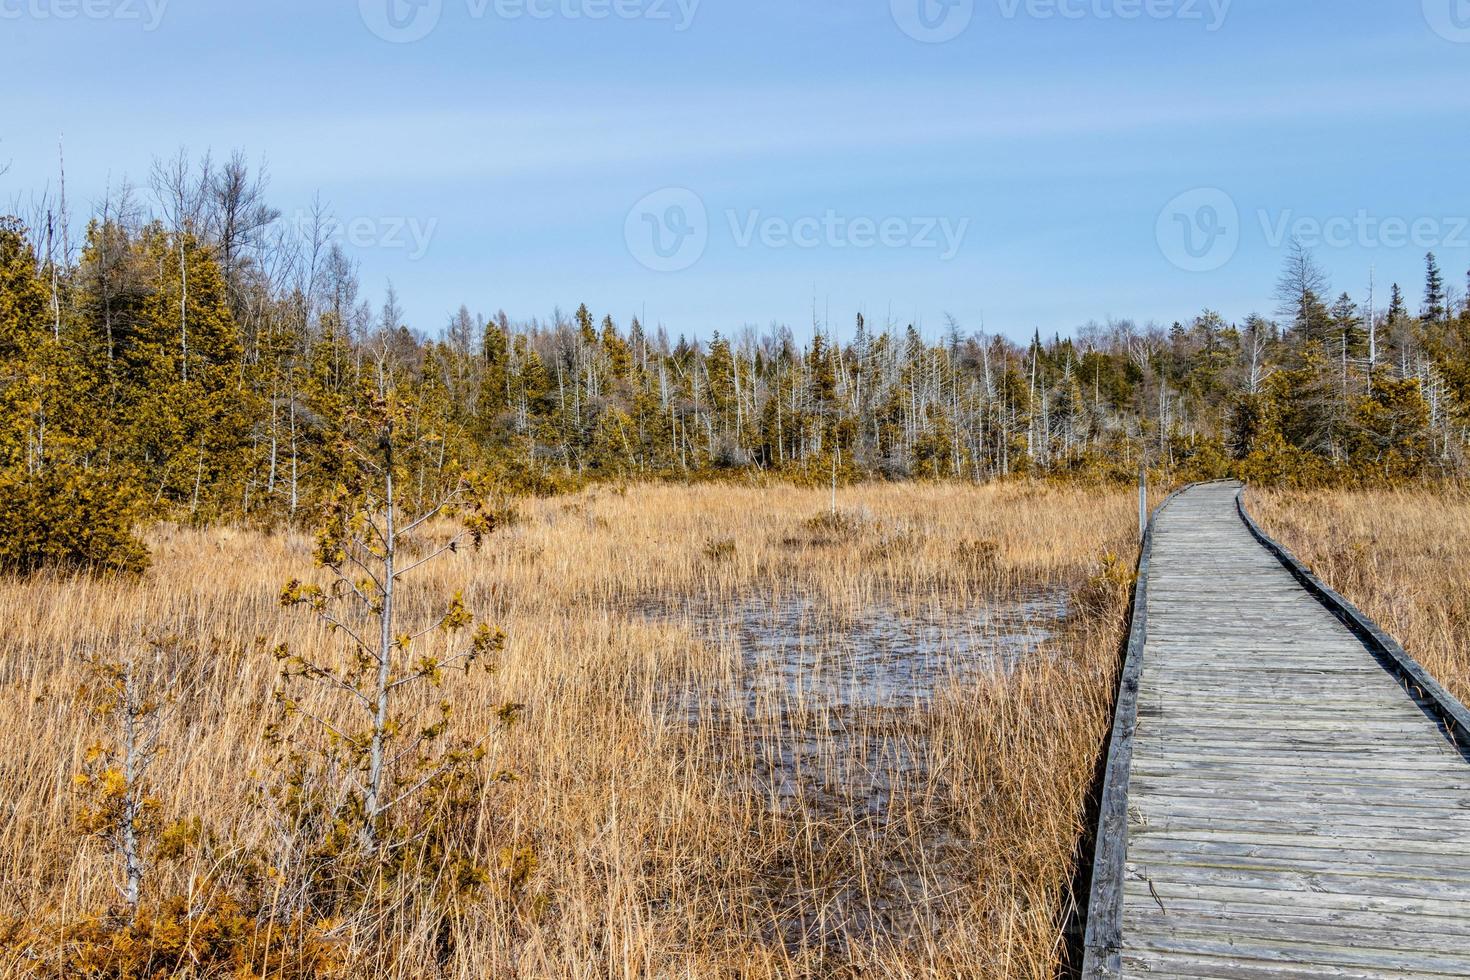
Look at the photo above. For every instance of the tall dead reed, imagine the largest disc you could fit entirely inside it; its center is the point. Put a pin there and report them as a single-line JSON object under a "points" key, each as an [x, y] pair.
{"points": [[664, 804], [1399, 555]]}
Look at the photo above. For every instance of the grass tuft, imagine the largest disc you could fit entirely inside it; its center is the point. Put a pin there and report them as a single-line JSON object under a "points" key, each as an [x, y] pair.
{"points": [[664, 804]]}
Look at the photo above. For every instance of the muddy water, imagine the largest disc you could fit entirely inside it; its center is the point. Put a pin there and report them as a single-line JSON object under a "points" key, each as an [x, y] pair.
{"points": [[829, 709], [794, 651], [833, 700]]}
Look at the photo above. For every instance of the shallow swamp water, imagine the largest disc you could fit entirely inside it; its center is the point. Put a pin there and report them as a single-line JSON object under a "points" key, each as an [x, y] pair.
{"points": [[829, 714]]}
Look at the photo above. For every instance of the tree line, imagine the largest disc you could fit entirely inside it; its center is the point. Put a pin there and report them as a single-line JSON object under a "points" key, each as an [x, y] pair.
{"points": [[195, 358]]}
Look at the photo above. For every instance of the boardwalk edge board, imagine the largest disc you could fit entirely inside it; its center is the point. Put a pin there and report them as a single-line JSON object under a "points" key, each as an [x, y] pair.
{"points": [[1102, 944], [1453, 717], [1104, 954]]}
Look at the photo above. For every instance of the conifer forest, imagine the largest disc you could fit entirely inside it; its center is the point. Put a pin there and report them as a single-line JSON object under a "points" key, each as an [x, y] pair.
{"points": [[197, 360], [677, 490]]}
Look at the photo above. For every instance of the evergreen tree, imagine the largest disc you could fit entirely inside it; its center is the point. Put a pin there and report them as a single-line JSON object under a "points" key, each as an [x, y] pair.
{"points": [[1436, 309], [615, 351], [495, 390], [186, 405], [1390, 434], [1398, 311], [1299, 292], [1347, 327], [63, 500]]}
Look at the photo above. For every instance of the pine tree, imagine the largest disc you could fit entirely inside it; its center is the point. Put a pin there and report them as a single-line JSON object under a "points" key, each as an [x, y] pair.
{"points": [[23, 295], [1304, 403], [1299, 292], [1398, 311], [1347, 326], [495, 390], [619, 358], [389, 755], [1389, 435], [187, 407], [584, 326], [823, 398], [64, 501], [1435, 308]]}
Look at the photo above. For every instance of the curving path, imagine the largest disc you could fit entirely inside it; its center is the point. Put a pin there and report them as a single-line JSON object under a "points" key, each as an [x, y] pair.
{"points": [[1291, 811]]}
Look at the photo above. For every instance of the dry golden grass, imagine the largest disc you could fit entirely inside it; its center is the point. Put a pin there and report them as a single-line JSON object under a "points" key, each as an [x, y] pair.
{"points": [[1398, 555], [678, 830]]}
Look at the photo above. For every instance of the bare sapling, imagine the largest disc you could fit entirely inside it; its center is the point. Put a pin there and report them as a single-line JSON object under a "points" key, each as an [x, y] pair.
{"points": [[132, 697], [372, 708]]}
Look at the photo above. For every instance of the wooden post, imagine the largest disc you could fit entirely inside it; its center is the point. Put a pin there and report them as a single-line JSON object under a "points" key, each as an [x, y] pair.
{"points": [[836, 456], [1142, 495]]}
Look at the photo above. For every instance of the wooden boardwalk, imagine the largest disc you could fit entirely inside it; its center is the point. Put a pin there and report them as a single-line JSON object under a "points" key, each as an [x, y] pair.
{"points": [[1291, 811]]}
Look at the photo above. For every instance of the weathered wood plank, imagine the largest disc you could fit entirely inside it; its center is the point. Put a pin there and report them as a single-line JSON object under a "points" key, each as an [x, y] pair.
{"points": [[1295, 802]]}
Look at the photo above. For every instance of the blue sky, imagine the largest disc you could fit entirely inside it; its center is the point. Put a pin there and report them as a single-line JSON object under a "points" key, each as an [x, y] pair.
{"points": [[1046, 163]]}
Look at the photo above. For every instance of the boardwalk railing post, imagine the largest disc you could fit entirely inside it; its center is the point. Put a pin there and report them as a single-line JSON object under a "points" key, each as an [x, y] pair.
{"points": [[1142, 495]]}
